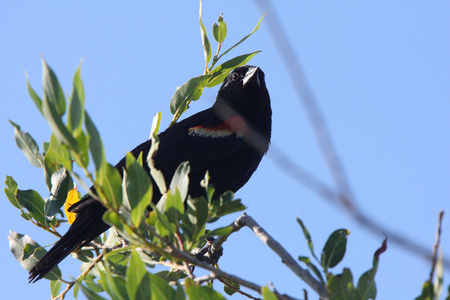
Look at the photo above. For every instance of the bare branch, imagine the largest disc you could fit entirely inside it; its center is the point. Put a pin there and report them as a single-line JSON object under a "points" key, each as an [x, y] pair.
{"points": [[286, 258], [70, 284], [223, 238]]}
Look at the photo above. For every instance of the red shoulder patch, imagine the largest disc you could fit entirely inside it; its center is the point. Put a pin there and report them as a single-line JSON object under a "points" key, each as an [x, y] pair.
{"points": [[234, 125]]}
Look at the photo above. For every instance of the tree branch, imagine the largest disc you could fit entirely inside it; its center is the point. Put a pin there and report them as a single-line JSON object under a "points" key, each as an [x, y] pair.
{"points": [[70, 284], [286, 258], [436, 245]]}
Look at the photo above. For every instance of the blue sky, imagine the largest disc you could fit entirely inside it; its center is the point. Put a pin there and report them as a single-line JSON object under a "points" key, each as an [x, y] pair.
{"points": [[379, 70]]}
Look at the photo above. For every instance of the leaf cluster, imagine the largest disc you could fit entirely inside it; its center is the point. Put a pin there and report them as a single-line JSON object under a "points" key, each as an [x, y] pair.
{"points": [[176, 224], [340, 286], [212, 76]]}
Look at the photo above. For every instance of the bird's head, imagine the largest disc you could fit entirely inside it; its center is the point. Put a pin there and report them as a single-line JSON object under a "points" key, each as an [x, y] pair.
{"points": [[244, 93]]}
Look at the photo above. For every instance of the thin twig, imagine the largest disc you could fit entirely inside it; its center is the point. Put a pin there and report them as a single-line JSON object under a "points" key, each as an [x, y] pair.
{"points": [[217, 272], [181, 247], [204, 278], [237, 290], [70, 284], [436, 245]]}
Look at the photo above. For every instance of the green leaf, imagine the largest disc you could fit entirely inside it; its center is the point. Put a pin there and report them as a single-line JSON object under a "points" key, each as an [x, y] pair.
{"points": [[37, 100], [56, 157], [191, 90], [118, 262], [11, 184], [220, 72], [28, 146], [83, 255], [196, 216], [205, 40], [161, 290], [76, 105], [312, 267], [221, 231], [76, 116], [55, 287], [146, 259], [61, 184], [268, 294], [341, 286], [53, 92], [427, 292], [157, 175], [138, 189], [76, 289], [11, 190], [90, 294], [366, 283], [28, 253], [33, 203], [174, 209], [137, 279], [307, 237], [171, 275], [92, 285], [163, 225], [179, 293], [156, 123], [224, 206], [180, 180], [114, 219], [94, 271], [116, 286], [54, 106], [228, 289], [95, 143], [82, 159], [113, 239], [334, 250], [247, 36], [56, 124], [201, 292], [209, 188], [220, 30], [111, 181]]}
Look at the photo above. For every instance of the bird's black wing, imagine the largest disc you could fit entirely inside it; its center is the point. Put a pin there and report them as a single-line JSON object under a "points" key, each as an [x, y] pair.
{"points": [[209, 144]]}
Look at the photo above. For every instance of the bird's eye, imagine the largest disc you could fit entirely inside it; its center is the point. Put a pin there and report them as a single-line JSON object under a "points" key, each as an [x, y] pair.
{"points": [[235, 76]]}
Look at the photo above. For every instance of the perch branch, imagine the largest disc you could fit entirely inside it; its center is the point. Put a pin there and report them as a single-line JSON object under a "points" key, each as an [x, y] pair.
{"points": [[286, 258]]}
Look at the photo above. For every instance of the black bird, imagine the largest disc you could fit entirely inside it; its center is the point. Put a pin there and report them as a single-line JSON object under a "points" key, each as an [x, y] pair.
{"points": [[229, 140]]}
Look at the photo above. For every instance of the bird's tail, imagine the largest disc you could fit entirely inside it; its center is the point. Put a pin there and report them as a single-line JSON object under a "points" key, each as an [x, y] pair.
{"points": [[87, 226]]}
